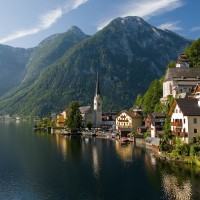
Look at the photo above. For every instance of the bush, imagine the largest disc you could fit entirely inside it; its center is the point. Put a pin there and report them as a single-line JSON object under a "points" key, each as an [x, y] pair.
{"points": [[184, 149], [164, 146], [147, 134]]}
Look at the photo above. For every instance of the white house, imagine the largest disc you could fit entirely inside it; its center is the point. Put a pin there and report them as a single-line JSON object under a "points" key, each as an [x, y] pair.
{"points": [[180, 80], [185, 119]]}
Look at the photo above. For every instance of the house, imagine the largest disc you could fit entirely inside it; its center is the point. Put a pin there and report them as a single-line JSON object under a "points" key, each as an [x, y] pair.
{"points": [[185, 119], [86, 113], [108, 119], [127, 121], [154, 123], [180, 80]]}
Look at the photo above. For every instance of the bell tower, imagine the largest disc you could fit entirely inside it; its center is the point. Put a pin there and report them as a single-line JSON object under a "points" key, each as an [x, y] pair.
{"points": [[97, 104]]}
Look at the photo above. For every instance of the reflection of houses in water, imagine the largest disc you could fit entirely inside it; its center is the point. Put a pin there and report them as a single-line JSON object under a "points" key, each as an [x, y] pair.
{"points": [[95, 160], [176, 190], [62, 144], [124, 152]]}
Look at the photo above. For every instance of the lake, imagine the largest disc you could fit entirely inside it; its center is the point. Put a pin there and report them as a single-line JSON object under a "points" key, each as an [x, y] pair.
{"points": [[44, 166]]}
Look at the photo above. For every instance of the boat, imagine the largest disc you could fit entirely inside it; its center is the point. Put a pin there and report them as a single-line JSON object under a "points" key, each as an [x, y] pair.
{"points": [[124, 140]]}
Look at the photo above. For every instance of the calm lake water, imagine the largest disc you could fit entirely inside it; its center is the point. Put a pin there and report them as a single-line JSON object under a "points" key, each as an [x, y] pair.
{"points": [[43, 166]]}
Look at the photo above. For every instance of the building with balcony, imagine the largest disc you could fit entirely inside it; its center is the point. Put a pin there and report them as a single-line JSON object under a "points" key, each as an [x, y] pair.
{"points": [[185, 119], [127, 121], [154, 123]]}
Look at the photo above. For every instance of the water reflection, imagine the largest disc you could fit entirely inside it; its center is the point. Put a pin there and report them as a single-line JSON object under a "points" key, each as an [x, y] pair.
{"points": [[94, 163], [176, 190], [95, 160], [178, 180], [125, 152], [62, 145]]}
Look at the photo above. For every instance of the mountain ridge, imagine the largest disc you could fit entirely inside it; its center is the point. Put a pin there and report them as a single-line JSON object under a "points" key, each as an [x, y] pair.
{"points": [[128, 54]]}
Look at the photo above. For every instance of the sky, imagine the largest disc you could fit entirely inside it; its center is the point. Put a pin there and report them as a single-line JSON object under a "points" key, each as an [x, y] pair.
{"points": [[25, 23]]}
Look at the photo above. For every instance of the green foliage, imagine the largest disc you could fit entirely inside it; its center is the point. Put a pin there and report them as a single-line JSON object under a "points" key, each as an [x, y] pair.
{"points": [[193, 53], [89, 125], [44, 122], [138, 101], [133, 133], [62, 69], [194, 150], [147, 134], [74, 118], [152, 96], [165, 146], [167, 127]]}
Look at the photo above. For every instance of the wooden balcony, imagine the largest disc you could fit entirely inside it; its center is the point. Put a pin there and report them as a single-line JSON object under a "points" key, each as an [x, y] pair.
{"points": [[123, 120], [177, 124], [179, 134]]}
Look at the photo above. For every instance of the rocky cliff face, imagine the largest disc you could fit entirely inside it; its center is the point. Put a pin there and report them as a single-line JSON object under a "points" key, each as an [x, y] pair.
{"points": [[128, 54]]}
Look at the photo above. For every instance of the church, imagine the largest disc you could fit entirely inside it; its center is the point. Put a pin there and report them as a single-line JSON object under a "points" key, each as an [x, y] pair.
{"points": [[93, 115], [89, 114], [180, 80]]}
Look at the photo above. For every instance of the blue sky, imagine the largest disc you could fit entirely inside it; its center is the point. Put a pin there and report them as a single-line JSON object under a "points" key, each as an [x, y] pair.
{"points": [[26, 23]]}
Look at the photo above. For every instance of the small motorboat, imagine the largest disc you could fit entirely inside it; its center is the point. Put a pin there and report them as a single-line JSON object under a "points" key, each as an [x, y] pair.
{"points": [[124, 140]]}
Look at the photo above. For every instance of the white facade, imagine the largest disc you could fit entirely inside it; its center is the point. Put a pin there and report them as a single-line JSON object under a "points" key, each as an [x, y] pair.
{"points": [[184, 64], [185, 127], [167, 88], [97, 110], [123, 120]]}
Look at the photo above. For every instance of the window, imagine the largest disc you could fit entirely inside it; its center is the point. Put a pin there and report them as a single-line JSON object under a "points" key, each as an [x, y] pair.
{"points": [[195, 120], [184, 121], [170, 88], [195, 130]]}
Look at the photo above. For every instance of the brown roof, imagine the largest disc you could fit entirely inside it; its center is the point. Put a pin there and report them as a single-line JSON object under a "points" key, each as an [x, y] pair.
{"points": [[158, 115], [182, 58], [130, 113], [189, 106]]}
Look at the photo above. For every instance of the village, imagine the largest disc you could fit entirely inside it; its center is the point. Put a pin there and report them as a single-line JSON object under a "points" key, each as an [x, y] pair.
{"points": [[181, 83]]}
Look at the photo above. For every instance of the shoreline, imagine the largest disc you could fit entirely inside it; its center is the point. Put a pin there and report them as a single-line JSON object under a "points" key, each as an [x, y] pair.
{"points": [[178, 159]]}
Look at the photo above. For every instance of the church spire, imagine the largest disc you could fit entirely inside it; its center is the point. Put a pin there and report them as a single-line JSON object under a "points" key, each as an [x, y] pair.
{"points": [[97, 86]]}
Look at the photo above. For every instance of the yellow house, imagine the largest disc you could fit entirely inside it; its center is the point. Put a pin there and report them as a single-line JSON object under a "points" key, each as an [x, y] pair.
{"points": [[60, 120], [128, 119]]}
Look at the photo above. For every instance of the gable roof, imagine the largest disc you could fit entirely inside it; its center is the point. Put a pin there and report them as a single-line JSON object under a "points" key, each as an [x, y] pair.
{"points": [[157, 115], [189, 107], [84, 109], [182, 72], [130, 113]]}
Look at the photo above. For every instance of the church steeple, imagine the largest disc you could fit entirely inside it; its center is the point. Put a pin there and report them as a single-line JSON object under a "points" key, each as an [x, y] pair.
{"points": [[97, 105], [97, 86], [97, 97]]}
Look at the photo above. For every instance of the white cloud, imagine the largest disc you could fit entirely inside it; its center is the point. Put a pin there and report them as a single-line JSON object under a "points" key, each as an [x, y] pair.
{"points": [[74, 4], [173, 26], [196, 28], [144, 9], [45, 21]]}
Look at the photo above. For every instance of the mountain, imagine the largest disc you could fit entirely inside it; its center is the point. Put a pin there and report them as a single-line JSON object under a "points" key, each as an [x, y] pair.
{"points": [[12, 66], [128, 54], [51, 49]]}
